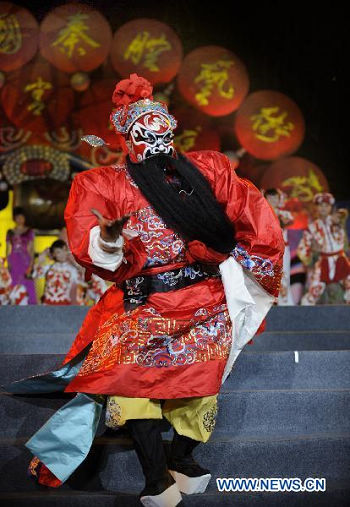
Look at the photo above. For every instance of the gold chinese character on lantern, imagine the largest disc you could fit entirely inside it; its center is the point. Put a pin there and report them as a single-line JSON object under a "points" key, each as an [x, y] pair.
{"points": [[146, 48], [187, 139], [269, 126], [10, 34], [74, 35], [37, 90], [211, 75], [304, 187]]}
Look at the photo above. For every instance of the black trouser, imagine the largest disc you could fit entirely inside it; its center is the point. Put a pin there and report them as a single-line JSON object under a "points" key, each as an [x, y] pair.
{"points": [[147, 437]]}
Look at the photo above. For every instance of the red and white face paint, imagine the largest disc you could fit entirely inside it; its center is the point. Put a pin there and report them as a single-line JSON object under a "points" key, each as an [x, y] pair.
{"points": [[151, 134]]}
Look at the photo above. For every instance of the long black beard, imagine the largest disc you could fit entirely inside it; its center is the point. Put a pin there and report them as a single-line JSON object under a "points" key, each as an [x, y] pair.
{"points": [[194, 214]]}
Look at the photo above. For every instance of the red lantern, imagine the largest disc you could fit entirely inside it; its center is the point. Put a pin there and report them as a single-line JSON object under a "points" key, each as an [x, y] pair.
{"points": [[149, 48], [37, 98], [297, 177], [194, 132], [19, 33], [269, 125], [75, 37], [213, 80]]}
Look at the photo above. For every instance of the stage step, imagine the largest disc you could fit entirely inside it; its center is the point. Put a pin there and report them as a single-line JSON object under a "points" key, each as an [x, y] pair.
{"points": [[244, 413], [261, 370], [283, 412], [337, 495], [59, 343], [112, 462], [45, 329]]}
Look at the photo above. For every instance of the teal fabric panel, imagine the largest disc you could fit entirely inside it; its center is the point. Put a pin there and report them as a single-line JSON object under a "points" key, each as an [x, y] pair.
{"points": [[50, 382], [64, 441]]}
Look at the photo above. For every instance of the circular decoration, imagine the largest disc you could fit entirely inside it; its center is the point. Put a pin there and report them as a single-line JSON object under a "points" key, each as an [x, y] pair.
{"points": [[149, 48], [80, 81], [297, 177], [37, 98], [194, 132], [75, 37], [44, 202], [35, 162], [19, 34], [213, 80], [269, 124]]}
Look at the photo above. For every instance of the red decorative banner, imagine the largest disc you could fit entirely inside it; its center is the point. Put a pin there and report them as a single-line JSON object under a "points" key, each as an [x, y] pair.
{"points": [[213, 80], [37, 98], [75, 37], [149, 48], [297, 177], [19, 33], [269, 124]]}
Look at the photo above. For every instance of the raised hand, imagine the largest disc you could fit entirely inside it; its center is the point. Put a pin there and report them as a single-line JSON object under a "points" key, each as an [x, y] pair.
{"points": [[110, 229]]}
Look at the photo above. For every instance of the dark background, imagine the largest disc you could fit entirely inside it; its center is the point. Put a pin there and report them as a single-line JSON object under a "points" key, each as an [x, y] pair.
{"points": [[302, 53]]}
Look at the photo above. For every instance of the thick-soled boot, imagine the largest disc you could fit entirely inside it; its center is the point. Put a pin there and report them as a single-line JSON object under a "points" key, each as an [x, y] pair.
{"points": [[160, 489], [190, 477]]}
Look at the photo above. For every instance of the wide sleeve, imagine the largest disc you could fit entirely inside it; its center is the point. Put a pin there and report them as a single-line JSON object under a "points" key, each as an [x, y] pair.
{"points": [[95, 189], [259, 239]]}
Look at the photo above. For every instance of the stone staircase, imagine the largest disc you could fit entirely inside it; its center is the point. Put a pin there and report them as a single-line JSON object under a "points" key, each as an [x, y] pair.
{"points": [[283, 412]]}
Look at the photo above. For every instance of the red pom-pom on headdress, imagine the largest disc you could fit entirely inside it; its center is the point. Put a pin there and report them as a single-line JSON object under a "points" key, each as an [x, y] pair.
{"points": [[131, 90]]}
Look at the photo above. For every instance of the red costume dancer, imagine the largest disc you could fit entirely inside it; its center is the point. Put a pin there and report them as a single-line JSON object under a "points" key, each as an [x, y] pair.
{"points": [[275, 197], [195, 254], [61, 277], [323, 248]]}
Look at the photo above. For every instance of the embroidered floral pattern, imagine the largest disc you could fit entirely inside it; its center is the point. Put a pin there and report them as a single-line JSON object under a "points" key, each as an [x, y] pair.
{"points": [[113, 414], [209, 419], [163, 246], [33, 468], [170, 277], [154, 341], [258, 265]]}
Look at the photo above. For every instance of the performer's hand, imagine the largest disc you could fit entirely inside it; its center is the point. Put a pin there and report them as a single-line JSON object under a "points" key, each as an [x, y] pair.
{"points": [[110, 229]]}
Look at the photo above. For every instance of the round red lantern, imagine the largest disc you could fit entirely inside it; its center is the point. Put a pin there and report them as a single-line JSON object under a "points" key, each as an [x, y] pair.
{"points": [[149, 48], [194, 132], [37, 98], [269, 124], [297, 177], [19, 33], [213, 80], [74, 37]]}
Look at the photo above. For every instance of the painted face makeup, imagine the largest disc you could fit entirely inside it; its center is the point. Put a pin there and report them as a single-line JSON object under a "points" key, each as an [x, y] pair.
{"points": [[150, 135]]}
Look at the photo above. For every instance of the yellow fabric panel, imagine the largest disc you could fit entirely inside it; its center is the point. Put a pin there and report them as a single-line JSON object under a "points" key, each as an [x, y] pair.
{"points": [[120, 409], [192, 417]]}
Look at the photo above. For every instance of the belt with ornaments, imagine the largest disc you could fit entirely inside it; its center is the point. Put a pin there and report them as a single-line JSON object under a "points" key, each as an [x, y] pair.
{"points": [[136, 290]]}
